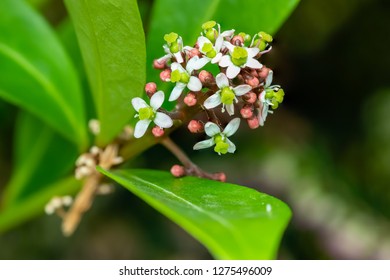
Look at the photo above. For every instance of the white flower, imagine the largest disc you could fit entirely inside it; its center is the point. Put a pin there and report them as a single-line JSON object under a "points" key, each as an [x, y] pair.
{"points": [[173, 47], [225, 95], [182, 77], [213, 51], [220, 139], [239, 57], [147, 114], [264, 102]]}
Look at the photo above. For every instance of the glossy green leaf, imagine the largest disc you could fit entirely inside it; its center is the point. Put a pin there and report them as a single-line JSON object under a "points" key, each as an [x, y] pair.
{"points": [[41, 156], [187, 16], [34, 205], [36, 73], [112, 43], [232, 221]]}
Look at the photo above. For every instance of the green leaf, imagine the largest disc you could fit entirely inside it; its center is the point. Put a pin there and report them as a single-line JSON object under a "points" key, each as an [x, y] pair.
{"points": [[41, 156], [249, 16], [112, 43], [230, 220], [36, 73], [33, 205]]}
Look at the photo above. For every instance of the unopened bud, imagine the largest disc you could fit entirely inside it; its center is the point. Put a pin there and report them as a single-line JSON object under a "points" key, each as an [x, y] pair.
{"points": [[165, 75], [246, 112], [253, 122], [206, 77], [178, 170], [252, 81], [193, 52], [220, 176], [190, 99], [157, 131], [195, 126], [150, 89], [159, 64], [263, 73], [237, 40], [250, 97]]}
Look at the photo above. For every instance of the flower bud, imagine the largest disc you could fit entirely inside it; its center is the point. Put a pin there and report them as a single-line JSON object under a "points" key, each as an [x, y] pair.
{"points": [[193, 52], [178, 171], [237, 40], [220, 176], [206, 77], [195, 126], [150, 89], [165, 75], [246, 112], [190, 99], [250, 97], [159, 64], [252, 81], [263, 73], [253, 122], [157, 131]]}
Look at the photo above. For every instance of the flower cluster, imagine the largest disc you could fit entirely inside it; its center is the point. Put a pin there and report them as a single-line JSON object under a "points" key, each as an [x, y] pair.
{"points": [[235, 86]]}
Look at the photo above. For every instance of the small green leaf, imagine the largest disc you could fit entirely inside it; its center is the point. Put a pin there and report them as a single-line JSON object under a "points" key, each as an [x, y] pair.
{"points": [[41, 156], [232, 221], [34, 205], [36, 73], [112, 43]]}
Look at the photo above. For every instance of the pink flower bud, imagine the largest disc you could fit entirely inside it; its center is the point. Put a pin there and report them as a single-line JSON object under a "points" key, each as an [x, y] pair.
{"points": [[159, 64], [254, 73], [252, 81], [157, 131], [237, 40], [250, 97], [206, 77], [178, 170], [246, 112], [220, 176], [253, 122], [263, 73], [190, 99], [193, 52], [165, 75], [195, 126], [150, 89]]}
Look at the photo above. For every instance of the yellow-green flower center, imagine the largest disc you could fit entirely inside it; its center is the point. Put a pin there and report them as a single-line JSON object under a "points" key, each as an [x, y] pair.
{"points": [[208, 24], [171, 37], [211, 34], [221, 147], [146, 113], [174, 48], [239, 56], [209, 50], [177, 76], [227, 96]]}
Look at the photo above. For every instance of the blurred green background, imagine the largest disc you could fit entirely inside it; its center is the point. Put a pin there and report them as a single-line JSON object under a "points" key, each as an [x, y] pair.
{"points": [[325, 151]]}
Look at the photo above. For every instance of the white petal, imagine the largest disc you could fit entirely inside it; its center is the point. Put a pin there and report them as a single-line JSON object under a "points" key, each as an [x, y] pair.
{"points": [[212, 101], [138, 103], [177, 66], [253, 63], [140, 128], [252, 52], [157, 100], [201, 41], [204, 144], [218, 43], [232, 127], [216, 58], [211, 129], [242, 89], [230, 109], [200, 63], [263, 115], [191, 64], [232, 147], [222, 80], [227, 33], [166, 49], [225, 61], [163, 120], [179, 57], [229, 46], [262, 96], [232, 71], [270, 76], [176, 92], [164, 58], [194, 84]]}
